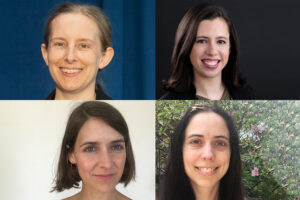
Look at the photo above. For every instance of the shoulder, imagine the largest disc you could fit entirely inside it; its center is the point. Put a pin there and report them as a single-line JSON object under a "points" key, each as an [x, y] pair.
{"points": [[73, 197], [243, 93], [169, 96], [122, 196], [51, 96], [100, 94], [172, 95]]}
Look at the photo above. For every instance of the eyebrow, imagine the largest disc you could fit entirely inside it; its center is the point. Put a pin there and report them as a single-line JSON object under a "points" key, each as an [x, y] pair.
{"points": [[117, 141], [202, 136], [89, 143], [84, 40], [57, 38], [78, 40], [97, 143], [205, 37]]}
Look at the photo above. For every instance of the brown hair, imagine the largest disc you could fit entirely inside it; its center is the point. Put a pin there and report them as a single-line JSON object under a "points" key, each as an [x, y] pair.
{"points": [[90, 11], [182, 74], [67, 174]]}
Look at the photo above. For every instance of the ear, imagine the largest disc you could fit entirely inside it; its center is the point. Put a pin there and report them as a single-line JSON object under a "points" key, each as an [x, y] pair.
{"points": [[106, 57], [72, 158], [44, 53]]}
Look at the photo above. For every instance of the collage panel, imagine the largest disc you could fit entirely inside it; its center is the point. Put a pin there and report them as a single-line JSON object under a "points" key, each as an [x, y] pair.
{"points": [[209, 49], [227, 149], [74, 49], [35, 140]]}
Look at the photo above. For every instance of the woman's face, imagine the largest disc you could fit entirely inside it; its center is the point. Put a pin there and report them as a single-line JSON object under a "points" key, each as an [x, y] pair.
{"points": [[74, 53], [206, 150], [99, 154], [211, 49]]}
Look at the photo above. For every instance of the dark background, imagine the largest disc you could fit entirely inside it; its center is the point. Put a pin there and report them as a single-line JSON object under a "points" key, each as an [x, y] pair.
{"points": [[269, 33], [24, 74]]}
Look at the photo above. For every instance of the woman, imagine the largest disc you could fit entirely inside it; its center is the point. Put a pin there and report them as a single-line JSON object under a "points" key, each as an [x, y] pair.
{"points": [[206, 58], [204, 160], [96, 150], [77, 44]]}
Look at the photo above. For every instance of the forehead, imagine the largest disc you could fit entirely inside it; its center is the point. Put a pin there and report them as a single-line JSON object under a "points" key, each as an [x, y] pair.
{"points": [[74, 25], [98, 131], [208, 124], [215, 27]]}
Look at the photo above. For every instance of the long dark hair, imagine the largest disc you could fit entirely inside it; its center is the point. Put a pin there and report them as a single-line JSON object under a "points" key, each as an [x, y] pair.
{"points": [[176, 184], [182, 75]]}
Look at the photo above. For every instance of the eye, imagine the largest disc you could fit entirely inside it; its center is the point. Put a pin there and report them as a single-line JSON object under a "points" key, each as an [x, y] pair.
{"points": [[84, 46], [90, 149], [221, 42], [221, 143], [117, 147], [201, 41], [195, 142], [59, 44]]}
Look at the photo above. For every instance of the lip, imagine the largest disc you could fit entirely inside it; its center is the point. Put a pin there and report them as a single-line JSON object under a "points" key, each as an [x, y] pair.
{"points": [[207, 171], [211, 63], [70, 72], [104, 177]]}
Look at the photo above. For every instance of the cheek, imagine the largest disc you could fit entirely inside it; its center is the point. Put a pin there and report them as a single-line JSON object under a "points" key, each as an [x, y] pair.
{"points": [[89, 57], [55, 55], [86, 164], [226, 53], [119, 161], [196, 52], [188, 158], [225, 159]]}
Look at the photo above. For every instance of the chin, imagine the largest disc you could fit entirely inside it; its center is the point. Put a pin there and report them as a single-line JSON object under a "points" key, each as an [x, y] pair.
{"points": [[68, 87], [105, 188], [211, 76], [207, 183]]}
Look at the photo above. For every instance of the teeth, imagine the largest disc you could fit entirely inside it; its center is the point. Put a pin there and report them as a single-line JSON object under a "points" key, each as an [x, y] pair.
{"points": [[70, 71], [206, 169], [211, 63]]}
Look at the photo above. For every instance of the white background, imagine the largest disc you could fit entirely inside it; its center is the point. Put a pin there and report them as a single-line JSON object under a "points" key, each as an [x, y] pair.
{"points": [[30, 137]]}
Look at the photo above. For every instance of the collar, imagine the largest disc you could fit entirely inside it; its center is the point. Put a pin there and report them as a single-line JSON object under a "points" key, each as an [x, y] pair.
{"points": [[100, 94]]}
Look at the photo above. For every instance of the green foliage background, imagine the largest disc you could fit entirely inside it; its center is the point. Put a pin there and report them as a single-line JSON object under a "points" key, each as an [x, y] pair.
{"points": [[269, 139]]}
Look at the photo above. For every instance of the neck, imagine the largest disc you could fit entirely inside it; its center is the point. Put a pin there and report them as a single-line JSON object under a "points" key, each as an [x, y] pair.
{"points": [[74, 95], [210, 193], [91, 194], [210, 88]]}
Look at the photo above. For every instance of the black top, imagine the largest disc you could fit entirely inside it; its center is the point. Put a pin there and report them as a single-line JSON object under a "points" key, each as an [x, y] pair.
{"points": [[100, 95], [244, 93]]}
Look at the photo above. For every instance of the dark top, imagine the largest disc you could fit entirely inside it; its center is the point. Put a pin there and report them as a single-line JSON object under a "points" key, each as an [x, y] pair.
{"points": [[244, 93], [100, 95], [225, 96]]}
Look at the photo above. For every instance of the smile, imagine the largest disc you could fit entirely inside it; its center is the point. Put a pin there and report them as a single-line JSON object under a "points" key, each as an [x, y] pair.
{"points": [[211, 63], [70, 72], [104, 177], [207, 171]]}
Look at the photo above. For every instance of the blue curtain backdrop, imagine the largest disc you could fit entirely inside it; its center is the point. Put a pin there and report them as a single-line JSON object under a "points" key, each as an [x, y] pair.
{"points": [[130, 75]]}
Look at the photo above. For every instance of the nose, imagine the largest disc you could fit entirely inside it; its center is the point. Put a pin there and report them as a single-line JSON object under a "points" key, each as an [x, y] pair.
{"points": [[104, 160], [211, 49], [70, 56], [207, 152]]}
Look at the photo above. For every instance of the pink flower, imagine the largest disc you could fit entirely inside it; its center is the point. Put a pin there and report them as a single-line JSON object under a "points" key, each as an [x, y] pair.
{"points": [[255, 171], [260, 128]]}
